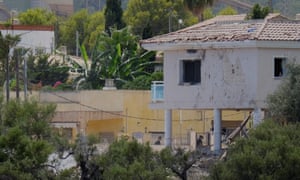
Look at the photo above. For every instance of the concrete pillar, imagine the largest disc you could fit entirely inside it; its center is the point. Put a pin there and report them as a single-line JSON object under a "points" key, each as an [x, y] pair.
{"points": [[217, 130], [257, 116], [168, 128]]}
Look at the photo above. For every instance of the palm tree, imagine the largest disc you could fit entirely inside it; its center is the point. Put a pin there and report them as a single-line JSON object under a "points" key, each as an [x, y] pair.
{"points": [[6, 43], [197, 6]]}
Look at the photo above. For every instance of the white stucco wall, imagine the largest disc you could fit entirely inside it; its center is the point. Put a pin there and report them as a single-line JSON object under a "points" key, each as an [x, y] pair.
{"points": [[34, 39], [238, 78], [266, 83]]}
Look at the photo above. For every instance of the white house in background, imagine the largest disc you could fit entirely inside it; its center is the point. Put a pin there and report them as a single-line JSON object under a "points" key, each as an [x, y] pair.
{"points": [[37, 38], [223, 63]]}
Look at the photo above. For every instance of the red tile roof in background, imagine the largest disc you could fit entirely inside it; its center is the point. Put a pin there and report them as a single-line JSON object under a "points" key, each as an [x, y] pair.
{"points": [[27, 28]]}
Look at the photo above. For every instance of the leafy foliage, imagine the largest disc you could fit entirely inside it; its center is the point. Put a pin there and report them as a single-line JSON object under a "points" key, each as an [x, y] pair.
{"points": [[197, 6], [37, 16], [6, 43], [94, 29], [143, 82], [113, 15], [258, 12], [149, 18], [131, 160], [117, 56], [271, 152], [208, 14], [284, 103], [228, 11], [24, 140], [45, 70], [178, 160], [124, 159], [88, 26]]}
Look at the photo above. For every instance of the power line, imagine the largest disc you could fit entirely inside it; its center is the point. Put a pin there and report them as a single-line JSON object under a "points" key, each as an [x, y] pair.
{"points": [[100, 110], [127, 116]]}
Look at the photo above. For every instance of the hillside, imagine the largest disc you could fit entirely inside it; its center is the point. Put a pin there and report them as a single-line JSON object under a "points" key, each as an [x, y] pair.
{"points": [[287, 7]]}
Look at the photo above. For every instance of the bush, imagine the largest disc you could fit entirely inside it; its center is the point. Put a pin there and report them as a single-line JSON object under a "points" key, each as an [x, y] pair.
{"points": [[271, 152], [143, 82]]}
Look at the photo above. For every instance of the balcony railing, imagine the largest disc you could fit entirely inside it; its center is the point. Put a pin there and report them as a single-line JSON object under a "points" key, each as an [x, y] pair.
{"points": [[157, 91]]}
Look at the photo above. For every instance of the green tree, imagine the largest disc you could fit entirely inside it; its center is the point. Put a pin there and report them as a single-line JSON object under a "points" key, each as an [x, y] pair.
{"points": [[68, 30], [149, 18], [86, 156], [208, 14], [25, 140], [86, 26], [284, 103], [143, 82], [127, 159], [113, 15], [272, 151], [257, 12], [45, 70], [197, 6], [94, 28], [179, 160], [6, 43], [228, 11], [37, 16], [17, 60]]}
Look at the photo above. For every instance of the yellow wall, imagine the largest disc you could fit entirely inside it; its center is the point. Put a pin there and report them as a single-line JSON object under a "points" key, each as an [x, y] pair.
{"points": [[135, 116], [110, 125]]}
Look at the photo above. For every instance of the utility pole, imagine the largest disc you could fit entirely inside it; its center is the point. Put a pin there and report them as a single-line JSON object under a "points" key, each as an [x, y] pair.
{"points": [[170, 19], [18, 54], [271, 5], [25, 77], [77, 42], [7, 77]]}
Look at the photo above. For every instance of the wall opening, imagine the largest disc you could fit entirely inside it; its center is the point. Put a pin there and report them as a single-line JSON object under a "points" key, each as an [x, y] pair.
{"points": [[279, 66], [191, 71]]}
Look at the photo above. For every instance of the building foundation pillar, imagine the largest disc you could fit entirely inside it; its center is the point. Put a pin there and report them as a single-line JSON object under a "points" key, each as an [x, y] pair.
{"points": [[168, 128], [217, 130]]}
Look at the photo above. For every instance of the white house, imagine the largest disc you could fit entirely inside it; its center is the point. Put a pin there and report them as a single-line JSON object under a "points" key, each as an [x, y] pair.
{"points": [[224, 63], [37, 38]]}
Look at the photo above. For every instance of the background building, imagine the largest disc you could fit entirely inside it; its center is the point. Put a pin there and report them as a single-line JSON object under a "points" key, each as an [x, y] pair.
{"points": [[37, 38]]}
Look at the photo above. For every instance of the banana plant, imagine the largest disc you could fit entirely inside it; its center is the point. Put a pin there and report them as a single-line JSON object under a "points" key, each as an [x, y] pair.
{"points": [[116, 56], [120, 56]]}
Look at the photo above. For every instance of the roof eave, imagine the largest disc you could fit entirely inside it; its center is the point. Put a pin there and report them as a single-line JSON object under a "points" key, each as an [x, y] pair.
{"points": [[220, 45], [197, 45]]}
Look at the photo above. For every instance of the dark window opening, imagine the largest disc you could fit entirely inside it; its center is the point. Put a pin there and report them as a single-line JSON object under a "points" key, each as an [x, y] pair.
{"points": [[191, 71], [279, 67]]}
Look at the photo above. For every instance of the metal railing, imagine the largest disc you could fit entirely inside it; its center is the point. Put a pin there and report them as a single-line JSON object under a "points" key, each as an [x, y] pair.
{"points": [[157, 91]]}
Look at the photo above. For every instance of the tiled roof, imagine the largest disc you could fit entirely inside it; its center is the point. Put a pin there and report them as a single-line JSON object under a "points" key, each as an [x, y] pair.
{"points": [[280, 30], [234, 28]]}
